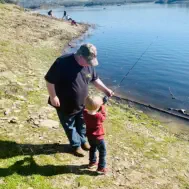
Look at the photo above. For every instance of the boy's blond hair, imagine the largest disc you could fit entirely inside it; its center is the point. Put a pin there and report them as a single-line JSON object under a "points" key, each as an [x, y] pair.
{"points": [[93, 103]]}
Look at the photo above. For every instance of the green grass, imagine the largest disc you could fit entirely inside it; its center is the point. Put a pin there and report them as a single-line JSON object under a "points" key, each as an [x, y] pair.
{"points": [[90, 182], [47, 170], [18, 175], [2, 1]]}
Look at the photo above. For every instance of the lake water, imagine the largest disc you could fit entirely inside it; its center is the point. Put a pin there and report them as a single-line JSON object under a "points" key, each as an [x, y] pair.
{"points": [[124, 32]]}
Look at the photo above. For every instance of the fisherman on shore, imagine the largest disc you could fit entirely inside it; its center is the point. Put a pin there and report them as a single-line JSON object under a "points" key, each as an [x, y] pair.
{"points": [[50, 13], [64, 15], [73, 23]]}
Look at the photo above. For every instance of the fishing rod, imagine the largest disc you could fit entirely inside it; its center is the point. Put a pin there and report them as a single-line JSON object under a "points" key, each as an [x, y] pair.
{"points": [[106, 98]]}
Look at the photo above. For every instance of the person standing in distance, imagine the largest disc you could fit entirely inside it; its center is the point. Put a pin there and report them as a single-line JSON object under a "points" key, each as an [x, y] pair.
{"points": [[64, 15], [67, 83], [50, 13]]}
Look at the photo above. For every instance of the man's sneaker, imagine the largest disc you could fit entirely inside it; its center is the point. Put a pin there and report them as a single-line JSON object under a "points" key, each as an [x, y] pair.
{"points": [[86, 146], [102, 171], [79, 152], [92, 165]]}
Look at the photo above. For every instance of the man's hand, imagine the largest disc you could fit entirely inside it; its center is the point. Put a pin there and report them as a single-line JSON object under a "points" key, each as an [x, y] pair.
{"points": [[55, 101], [52, 93], [100, 85], [109, 92]]}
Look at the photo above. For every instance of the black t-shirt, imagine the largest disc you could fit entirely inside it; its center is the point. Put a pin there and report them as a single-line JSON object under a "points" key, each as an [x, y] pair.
{"points": [[71, 82]]}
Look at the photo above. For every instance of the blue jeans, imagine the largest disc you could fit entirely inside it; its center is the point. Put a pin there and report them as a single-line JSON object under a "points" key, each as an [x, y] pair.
{"points": [[74, 127], [100, 146]]}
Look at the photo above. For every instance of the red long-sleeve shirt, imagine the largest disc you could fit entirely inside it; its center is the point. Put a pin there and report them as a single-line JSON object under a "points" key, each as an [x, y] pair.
{"points": [[94, 122]]}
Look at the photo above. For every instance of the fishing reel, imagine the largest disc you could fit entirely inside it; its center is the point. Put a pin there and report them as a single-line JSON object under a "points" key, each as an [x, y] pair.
{"points": [[105, 99]]}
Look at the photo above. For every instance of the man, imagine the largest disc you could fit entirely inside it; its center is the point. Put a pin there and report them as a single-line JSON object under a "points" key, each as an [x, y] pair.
{"points": [[67, 83], [50, 13], [64, 16]]}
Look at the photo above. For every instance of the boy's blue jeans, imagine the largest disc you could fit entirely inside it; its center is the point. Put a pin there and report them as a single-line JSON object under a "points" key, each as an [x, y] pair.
{"points": [[74, 127], [101, 147]]}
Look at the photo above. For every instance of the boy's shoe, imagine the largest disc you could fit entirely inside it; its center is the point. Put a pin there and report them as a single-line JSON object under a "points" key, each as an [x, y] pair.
{"points": [[92, 165], [86, 146], [102, 171], [79, 152]]}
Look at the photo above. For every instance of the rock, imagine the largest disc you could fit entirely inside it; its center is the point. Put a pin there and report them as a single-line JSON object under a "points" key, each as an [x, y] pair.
{"points": [[36, 122], [41, 138], [32, 118], [34, 126], [117, 158], [22, 98], [42, 116], [49, 124], [13, 120], [2, 181], [17, 111], [164, 160], [143, 123], [157, 139], [118, 169], [7, 112]]}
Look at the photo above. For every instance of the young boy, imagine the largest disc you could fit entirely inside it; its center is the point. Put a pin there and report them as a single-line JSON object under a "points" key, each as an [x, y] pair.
{"points": [[94, 116]]}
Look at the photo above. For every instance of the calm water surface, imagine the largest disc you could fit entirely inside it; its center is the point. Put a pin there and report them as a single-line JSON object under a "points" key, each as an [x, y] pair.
{"points": [[122, 35]]}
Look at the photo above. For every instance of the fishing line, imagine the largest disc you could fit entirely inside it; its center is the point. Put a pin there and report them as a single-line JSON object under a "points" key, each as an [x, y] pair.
{"points": [[105, 99], [172, 95], [124, 77]]}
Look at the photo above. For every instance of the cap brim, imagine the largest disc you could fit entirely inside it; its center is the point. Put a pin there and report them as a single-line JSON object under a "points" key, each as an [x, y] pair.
{"points": [[93, 62]]}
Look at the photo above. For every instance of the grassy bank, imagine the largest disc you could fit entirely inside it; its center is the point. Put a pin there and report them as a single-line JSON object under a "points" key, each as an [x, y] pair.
{"points": [[34, 154]]}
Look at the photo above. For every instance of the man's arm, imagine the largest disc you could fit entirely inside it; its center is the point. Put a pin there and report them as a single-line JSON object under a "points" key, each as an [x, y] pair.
{"points": [[100, 85], [52, 93]]}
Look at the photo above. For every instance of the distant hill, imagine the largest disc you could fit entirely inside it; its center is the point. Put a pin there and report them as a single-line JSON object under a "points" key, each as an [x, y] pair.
{"points": [[119, 2], [9, 1], [38, 3], [173, 1]]}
